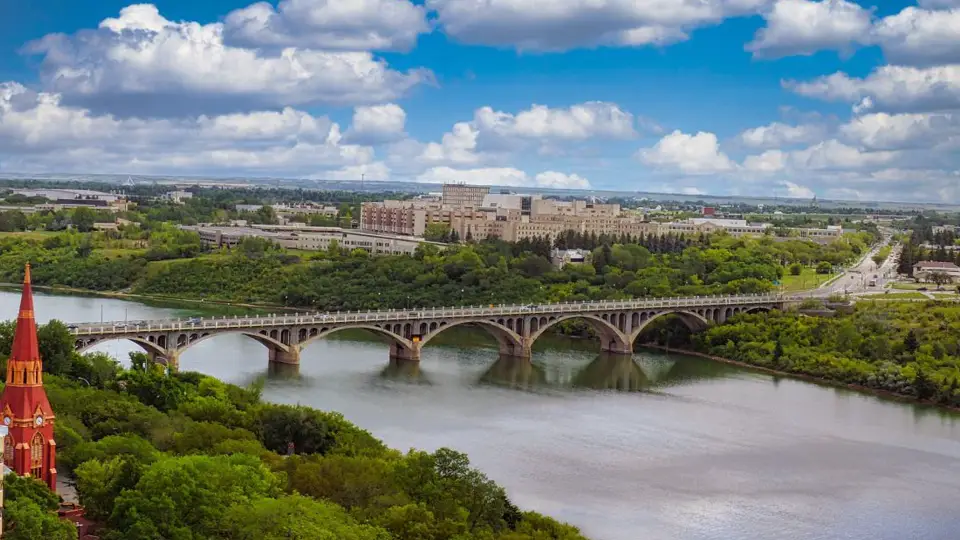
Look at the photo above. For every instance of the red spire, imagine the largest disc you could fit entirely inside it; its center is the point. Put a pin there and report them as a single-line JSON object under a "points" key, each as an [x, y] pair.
{"points": [[25, 347]]}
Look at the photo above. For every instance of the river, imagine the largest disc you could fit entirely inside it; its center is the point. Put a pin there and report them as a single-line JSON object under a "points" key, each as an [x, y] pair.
{"points": [[657, 447]]}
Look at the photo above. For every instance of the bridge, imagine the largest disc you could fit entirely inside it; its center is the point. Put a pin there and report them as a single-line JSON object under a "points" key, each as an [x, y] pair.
{"points": [[515, 327]]}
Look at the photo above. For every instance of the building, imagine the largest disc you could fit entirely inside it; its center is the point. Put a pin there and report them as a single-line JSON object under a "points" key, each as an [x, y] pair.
{"points": [[924, 270], [4, 431], [310, 238], [177, 197], [459, 195], [29, 447], [563, 257]]}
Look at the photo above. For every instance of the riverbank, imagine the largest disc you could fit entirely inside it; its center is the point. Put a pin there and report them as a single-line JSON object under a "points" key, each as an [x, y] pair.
{"points": [[886, 394], [155, 300]]}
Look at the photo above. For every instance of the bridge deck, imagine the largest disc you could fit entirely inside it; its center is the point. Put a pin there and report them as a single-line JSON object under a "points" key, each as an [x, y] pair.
{"points": [[123, 327]]}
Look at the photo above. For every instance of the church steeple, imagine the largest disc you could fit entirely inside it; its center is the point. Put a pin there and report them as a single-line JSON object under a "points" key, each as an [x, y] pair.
{"points": [[29, 448], [25, 368]]}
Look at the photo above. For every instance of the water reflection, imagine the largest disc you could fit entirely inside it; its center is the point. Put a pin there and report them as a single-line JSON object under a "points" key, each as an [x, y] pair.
{"points": [[406, 371], [606, 372]]}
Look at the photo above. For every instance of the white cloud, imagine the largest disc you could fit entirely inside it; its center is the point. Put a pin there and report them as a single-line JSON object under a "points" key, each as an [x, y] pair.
{"points": [[582, 121], [692, 191], [778, 134], [143, 64], [503, 176], [357, 25], [553, 25], [457, 147], [803, 27], [900, 88], [39, 133], [900, 131], [770, 161], [691, 154], [920, 37], [377, 124], [552, 179], [797, 191]]}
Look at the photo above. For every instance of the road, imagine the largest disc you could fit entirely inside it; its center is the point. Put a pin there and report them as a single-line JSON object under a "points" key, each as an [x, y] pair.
{"points": [[856, 278]]}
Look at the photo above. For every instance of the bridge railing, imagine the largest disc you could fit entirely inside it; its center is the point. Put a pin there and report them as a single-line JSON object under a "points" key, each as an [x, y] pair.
{"points": [[417, 314]]}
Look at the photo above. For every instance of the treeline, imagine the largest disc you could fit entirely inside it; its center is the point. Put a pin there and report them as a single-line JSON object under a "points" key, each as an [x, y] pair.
{"points": [[158, 455], [909, 349], [913, 252], [478, 273]]}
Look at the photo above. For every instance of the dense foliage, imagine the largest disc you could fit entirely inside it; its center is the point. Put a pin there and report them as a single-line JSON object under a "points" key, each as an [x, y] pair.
{"points": [[183, 456], [490, 272], [909, 349]]}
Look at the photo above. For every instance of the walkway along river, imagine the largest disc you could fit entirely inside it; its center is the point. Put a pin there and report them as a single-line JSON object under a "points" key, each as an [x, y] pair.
{"points": [[657, 447]]}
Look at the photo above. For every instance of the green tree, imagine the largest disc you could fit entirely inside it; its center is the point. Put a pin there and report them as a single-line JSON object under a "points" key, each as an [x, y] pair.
{"points": [[26, 520], [295, 518]]}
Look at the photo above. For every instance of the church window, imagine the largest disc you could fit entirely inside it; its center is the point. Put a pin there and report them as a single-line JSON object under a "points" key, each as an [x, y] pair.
{"points": [[36, 456], [8, 451]]}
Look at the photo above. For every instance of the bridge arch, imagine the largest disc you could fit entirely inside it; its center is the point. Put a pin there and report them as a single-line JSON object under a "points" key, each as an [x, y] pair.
{"points": [[611, 338], [693, 320], [509, 341], [399, 345], [83, 345]]}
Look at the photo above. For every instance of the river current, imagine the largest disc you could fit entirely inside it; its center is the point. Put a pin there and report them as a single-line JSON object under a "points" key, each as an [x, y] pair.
{"points": [[657, 447]]}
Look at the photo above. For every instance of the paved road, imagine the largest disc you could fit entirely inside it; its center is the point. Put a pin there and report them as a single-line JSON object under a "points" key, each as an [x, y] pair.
{"points": [[856, 279]]}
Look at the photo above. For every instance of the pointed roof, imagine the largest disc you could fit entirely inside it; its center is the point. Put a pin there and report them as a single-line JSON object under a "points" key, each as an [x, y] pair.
{"points": [[25, 347]]}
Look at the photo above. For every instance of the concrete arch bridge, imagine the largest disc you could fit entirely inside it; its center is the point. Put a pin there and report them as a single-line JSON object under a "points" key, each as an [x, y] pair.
{"points": [[515, 327]]}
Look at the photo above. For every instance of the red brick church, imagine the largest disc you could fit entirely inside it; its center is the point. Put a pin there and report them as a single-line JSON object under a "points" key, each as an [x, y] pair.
{"points": [[29, 449]]}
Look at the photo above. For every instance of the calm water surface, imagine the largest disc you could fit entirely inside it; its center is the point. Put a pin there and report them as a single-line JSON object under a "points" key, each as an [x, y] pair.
{"points": [[649, 448]]}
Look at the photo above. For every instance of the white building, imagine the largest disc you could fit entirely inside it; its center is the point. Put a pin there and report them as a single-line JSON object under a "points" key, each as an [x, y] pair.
{"points": [[923, 270], [310, 238]]}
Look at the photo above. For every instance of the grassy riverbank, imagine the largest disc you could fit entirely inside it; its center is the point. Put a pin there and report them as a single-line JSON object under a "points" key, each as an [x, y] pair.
{"points": [[908, 349]]}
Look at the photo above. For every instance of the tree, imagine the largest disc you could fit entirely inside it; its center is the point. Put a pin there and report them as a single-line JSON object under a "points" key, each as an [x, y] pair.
{"points": [[83, 218], [280, 425], [824, 267], [939, 278], [910, 342], [796, 269], [26, 520], [295, 518], [56, 347]]}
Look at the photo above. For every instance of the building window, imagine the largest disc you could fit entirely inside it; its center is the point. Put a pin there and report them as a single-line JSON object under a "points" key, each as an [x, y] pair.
{"points": [[36, 456], [8, 450]]}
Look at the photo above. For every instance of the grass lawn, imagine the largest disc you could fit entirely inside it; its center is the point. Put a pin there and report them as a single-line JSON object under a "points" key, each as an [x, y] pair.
{"points": [[30, 235], [808, 279], [945, 295], [911, 286], [896, 296], [116, 253]]}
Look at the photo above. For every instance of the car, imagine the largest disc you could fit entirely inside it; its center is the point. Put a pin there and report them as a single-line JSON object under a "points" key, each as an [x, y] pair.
{"points": [[194, 320], [921, 289], [71, 327]]}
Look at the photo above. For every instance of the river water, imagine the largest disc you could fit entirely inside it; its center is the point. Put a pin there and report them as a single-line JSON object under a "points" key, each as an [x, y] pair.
{"points": [[649, 448]]}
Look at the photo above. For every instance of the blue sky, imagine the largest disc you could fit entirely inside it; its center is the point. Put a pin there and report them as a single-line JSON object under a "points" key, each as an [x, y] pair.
{"points": [[760, 97]]}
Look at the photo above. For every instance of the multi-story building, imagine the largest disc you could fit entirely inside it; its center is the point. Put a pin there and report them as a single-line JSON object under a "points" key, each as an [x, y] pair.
{"points": [[309, 238], [464, 195]]}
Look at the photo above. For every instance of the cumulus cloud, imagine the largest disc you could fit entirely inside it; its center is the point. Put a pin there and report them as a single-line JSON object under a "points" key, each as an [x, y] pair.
{"points": [[803, 27], [892, 88], [368, 171], [377, 124], [554, 25], [503, 176], [920, 37], [883, 131], [829, 155], [357, 25], [778, 134], [142, 64], [690, 154], [797, 191], [582, 121], [39, 133]]}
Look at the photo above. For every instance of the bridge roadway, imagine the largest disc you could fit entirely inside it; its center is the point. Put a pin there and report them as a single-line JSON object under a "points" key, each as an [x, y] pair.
{"points": [[515, 327]]}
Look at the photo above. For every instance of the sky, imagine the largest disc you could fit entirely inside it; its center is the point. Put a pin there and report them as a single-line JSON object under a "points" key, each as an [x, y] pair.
{"points": [[789, 98]]}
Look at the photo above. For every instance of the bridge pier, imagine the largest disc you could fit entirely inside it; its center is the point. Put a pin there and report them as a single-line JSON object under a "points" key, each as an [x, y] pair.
{"points": [[400, 352], [171, 359], [512, 350], [616, 347], [290, 356]]}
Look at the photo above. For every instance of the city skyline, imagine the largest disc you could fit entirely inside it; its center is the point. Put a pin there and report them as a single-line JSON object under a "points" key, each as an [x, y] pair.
{"points": [[734, 97]]}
